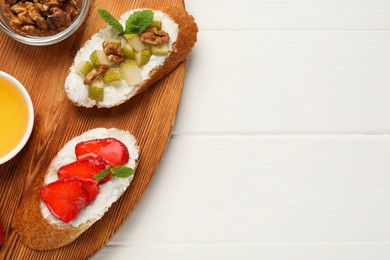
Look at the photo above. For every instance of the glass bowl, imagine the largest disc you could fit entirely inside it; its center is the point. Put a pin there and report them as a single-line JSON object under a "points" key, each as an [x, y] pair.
{"points": [[44, 40]]}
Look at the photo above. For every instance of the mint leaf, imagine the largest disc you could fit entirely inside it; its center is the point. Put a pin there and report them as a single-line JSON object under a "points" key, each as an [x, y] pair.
{"points": [[102, 174], [139, 21], [122, 171], [106, 16], [118, 171]]}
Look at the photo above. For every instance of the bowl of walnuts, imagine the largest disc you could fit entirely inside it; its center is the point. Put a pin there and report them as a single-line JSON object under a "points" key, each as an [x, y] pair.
{"points": [[42, 22]]}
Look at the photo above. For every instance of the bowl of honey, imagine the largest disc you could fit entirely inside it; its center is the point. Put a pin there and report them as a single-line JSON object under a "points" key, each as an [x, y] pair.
{"points": [[16, 117]]}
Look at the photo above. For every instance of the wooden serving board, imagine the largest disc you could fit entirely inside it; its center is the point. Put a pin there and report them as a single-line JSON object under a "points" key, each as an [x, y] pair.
{"points": [[149, 116]]}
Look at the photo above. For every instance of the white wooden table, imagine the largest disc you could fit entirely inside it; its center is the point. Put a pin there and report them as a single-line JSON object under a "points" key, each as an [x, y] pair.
{"points": [[281, 148]]}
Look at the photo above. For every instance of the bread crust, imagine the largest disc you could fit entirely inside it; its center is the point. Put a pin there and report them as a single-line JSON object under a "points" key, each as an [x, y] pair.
{"points": [[36, 232], [34, 229], [186, 39], [187, 36]]}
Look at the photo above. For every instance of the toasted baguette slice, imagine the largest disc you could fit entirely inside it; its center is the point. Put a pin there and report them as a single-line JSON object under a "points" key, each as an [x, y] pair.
{"points": [[182, 30], [38, 228]]}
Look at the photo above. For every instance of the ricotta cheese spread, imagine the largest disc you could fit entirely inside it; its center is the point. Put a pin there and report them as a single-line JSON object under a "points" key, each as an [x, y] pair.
{"points": [[109, 192]]}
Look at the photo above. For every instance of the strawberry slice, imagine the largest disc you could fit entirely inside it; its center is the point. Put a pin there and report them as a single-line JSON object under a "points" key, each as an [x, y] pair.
{"points": [[92, 188], [65, 198], [110, 150], [84, 169]]}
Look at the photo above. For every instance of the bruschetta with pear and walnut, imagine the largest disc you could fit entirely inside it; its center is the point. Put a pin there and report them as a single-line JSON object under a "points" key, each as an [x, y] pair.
{"points": [[129, 55]]}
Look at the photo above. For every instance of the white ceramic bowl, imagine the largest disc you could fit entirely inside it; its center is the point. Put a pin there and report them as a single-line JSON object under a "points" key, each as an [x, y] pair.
{"points": [[30, 122]]}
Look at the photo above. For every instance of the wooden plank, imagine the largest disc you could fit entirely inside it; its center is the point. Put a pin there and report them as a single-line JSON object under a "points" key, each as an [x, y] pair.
{"points": [[287, 82], [308, 196], [149, 116], [291, 15], [234, 251]]}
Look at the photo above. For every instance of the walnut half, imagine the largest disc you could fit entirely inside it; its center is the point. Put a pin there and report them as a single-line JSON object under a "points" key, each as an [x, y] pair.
{"points": [[94, 74], [114, 52], [154, 36]]}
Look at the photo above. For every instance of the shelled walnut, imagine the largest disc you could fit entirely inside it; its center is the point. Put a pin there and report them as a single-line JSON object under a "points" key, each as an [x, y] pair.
{"points": [[154, 36], [41, 17], [114, 52]]}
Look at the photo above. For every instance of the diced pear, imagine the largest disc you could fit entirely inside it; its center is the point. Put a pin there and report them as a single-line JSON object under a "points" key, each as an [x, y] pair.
{"points": [[156, 24], [157, 18], [134, 41], [129, 52], [143, 57], [84, 67], [131, 73], [96, 90], [129, 36], [115, 40], [99, 57], [112, 76], [137, 57], [161, 49], [147, 45]]}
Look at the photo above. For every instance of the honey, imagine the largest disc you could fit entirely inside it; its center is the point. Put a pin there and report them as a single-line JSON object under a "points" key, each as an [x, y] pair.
{"points": [[14, 116]]}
